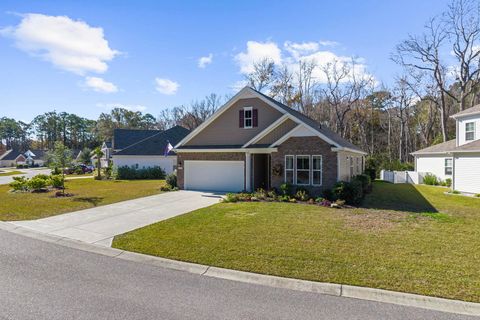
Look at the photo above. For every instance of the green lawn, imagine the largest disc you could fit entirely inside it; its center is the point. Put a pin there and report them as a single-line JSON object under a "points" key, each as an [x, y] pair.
{"points": [[406, 238], [9, 173], [87, 193]]}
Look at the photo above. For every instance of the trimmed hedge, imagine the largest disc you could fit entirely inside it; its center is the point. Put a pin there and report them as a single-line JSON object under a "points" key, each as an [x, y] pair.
{"points": [[130, 173]]}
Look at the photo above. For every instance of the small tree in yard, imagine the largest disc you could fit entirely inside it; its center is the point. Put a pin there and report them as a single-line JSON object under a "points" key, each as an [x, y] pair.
{"points": [[60, 157], [85, 156], [98, 153]]}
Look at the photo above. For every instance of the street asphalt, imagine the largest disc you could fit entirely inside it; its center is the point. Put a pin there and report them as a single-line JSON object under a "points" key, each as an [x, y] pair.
{"points": [[40, 280]]}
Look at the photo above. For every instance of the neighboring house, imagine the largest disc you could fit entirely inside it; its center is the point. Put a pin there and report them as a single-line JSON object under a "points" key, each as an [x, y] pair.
{"points": [[256, 142], [15, 157], [146, 148], [459, 158]]}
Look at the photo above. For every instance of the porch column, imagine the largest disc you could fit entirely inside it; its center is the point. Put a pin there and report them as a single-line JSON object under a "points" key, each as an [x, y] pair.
{"points": [[248, 171]]}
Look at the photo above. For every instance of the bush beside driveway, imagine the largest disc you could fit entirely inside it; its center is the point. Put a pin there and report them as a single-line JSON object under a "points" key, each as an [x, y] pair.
{"points": [[87, 193], [406, 238]]}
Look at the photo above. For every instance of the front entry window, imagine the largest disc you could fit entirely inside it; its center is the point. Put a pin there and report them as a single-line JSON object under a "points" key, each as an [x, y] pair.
{"points": [[289, 169], [303, 170]]}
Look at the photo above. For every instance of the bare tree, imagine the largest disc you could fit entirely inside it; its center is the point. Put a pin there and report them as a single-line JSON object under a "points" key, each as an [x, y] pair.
{"points": [[263, 74]]}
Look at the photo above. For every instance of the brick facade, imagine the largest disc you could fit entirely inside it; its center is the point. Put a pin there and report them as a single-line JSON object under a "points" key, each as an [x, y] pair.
{"points": [[306, 146], [215, 156]]}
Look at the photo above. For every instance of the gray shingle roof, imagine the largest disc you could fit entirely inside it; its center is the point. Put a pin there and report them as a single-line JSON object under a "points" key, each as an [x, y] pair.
{"points": [[314, 124], [123, 138], [466, 112], [155, 144], [450, 146]]}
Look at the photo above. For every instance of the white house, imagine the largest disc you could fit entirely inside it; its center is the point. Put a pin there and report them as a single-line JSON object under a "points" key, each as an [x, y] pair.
{"points": [[146, 148], [457, 159]]}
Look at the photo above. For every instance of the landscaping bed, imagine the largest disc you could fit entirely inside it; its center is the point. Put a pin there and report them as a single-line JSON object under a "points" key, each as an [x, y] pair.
{"points": [[86, 193], [405, 238]]}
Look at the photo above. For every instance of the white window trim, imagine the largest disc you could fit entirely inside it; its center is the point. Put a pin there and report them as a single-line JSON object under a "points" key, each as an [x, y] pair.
{"points": [[321, 170], [245, 117], [445, 166], [471, 131], [285, 168], [309, 170]]}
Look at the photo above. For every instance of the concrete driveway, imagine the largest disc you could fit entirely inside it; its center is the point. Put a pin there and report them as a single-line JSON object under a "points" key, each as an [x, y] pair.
{"points": [[100, 224]]}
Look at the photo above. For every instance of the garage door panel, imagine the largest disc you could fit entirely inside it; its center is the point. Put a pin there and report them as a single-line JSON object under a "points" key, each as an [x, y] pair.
{"points": [[214, 175], [467, 173]]}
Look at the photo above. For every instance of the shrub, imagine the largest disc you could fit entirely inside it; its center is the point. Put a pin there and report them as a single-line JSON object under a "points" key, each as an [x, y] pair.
{"points": [[477, 195], [284, 198], [130, 173], [286, 188], [272, 194], [56, 171], [42, 176], [328, 194], [56, 181], [292, 200], [108, 171], [448, 182], [37, 183], [166, 187], [78, 170], [19, 184], [365, 181], [430, 179], [171, 179], [230, 197], [301, 195], [351, 192], [260, 194]]}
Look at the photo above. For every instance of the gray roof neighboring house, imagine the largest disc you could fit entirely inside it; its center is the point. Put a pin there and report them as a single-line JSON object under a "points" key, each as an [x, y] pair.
{"points": [[470, 111], [123, 138], [12, 154], [449, 147], [314, 124], [155, 144]]}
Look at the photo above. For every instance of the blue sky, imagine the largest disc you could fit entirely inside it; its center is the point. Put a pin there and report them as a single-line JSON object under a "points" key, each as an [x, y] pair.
{"points": [[65, 63]]}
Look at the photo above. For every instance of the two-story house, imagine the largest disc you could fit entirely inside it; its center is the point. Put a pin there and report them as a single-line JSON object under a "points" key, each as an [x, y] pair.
{"points": [[254, 141], [459, 158]]}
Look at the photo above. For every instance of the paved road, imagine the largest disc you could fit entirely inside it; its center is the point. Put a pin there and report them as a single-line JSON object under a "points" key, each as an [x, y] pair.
{"points": [[100, 224], [27, 173], [40, 280]]}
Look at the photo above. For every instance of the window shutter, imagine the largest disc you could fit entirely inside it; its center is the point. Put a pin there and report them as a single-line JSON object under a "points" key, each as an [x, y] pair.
{"points": [[255, 118], [241, 117]]}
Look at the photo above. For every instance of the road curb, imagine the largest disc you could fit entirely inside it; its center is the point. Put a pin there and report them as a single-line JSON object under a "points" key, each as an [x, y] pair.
{"points": [[346, 291]]}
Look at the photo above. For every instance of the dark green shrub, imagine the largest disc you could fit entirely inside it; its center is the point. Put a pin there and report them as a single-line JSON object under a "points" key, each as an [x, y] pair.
{"points": [[230, 197], [56, 181], [19, 184], [130, 173], [328, 194], [431, 180], [286, 188], [350, 192], [37, 183], [448, 182], [365, 181], [171, 179]]}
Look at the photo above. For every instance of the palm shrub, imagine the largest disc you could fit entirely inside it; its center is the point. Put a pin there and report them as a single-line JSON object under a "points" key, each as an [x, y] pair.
{"points": [[431, 180], [19, 184]]}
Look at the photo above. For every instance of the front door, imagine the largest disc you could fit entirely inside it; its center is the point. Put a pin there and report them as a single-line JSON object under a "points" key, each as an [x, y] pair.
{"points": [[261, 170]]}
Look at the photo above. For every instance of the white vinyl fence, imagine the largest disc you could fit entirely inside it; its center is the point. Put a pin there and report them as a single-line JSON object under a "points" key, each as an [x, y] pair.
{"points": [[412, 177]]}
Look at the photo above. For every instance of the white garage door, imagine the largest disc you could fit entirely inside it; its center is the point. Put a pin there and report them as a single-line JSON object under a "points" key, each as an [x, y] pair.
{"points": [[467, 173], [214, 175]]}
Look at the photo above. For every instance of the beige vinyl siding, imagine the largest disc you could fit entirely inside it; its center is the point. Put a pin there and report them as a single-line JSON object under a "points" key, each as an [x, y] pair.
{"points": [[278, 132], [225, 129], [467, 172], [344, 172]]}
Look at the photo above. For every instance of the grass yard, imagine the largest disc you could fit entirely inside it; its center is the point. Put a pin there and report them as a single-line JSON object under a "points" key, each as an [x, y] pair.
{"points": [[9, 173], [406, 238], [87, 193]]}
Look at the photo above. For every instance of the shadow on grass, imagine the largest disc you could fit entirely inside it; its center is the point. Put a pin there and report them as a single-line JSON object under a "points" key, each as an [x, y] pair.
{"points": [[398, 197], [92, 200]]}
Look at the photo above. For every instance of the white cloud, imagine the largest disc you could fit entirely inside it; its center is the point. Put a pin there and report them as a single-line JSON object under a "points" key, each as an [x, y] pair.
{"points": [[100, 85], [292, 53], [68, 44], [257, 51], [131, 107], [328, 43], [204, 61], [166, 86]]}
